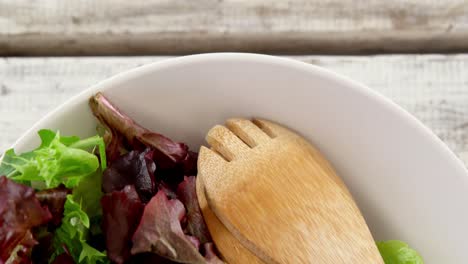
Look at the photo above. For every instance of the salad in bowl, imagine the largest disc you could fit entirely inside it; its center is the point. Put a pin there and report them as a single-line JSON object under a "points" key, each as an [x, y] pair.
{"points": [[95, 181], [125, 195]]}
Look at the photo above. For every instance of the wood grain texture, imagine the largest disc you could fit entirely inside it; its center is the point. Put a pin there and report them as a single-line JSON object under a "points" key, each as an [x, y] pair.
{"points": [[434, 88], [229, 247], [57, 27], [262, 194]]}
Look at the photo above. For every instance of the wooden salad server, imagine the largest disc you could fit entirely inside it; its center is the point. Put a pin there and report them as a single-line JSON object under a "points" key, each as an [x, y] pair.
{"points": [[279, 197], [230, 248]]}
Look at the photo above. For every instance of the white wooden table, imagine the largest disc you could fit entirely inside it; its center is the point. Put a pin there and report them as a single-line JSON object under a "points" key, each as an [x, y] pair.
{"points": [[433, 87]]}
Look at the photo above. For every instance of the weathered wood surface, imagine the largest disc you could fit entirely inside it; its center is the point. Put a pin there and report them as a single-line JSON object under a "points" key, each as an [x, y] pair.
{"points": [[434, 88], [57, 27]]}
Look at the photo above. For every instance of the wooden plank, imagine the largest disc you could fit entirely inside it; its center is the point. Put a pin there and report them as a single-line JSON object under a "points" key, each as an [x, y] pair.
{"points": [[434, 88], [89, 27]]}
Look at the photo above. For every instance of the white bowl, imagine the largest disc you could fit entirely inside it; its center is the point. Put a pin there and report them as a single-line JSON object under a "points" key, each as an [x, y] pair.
{"points": [[407, 183]]}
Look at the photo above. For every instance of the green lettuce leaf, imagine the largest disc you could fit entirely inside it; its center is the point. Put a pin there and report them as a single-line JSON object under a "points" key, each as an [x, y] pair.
{"points": [[47, 136], [89, 193], [58, 160], [92, 255], [69, 161], [13, 164], [73, 233], [398, 252]]}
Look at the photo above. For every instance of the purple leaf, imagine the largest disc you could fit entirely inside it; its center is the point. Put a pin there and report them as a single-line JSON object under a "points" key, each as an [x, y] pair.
{"points": [[190, 163], [19, 212], [63, 258], [121, 214], [167, 190], [175, 174], [120, 173], [54, 199], [20, 254], [134, 168], [42, 252], [149, 258], [114, 145], [160, 231], [144, 182], [149, 158], [187, 194], [168, 151]]}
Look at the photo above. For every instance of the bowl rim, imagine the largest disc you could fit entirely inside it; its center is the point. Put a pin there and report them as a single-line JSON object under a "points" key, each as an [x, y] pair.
{"points": [[344, 81]]}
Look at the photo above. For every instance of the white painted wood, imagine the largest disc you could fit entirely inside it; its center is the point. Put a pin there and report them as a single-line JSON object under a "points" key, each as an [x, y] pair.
{"points": [[184, 26], [434, 88]]}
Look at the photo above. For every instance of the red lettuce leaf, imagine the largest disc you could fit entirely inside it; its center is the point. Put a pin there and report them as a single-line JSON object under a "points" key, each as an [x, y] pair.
{"points": [[187, 194], [171, 194], [190, 163], [160, 232], [120, 173], [20, 254], [173, 159], [134, 168], [164, 229], [149, 258], [19, 212], [122, 211], [174, 175], [115, 145], [42, 252], [63, 258], [54, 199], [168, 151]]}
